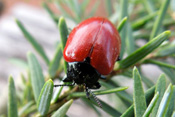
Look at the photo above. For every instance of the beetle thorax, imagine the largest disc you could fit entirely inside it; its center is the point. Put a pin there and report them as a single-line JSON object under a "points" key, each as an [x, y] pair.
{"points": [[82, 73]]}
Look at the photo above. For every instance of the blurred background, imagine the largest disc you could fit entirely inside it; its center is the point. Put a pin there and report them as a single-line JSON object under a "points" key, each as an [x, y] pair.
{"points": [[14, 46], [36, 19]]}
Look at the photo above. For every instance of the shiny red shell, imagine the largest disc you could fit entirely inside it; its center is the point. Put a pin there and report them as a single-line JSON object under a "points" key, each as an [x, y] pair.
{"points": [[96, 38]]}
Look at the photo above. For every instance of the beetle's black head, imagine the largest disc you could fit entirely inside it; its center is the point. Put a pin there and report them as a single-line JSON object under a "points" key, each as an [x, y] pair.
{"points": [[83, 73]]}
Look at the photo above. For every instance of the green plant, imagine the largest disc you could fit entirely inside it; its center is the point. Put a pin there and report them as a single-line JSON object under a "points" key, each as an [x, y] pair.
{"points": [[157, 99]]}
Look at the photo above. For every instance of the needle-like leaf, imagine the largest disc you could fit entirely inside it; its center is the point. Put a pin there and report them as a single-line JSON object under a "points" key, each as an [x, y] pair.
{"points": [[56, 94], [142, 21], [33, 42], [130, 41], [37, 78], [102, 92], [159, 63], [158, 22], [43, 102], [139, 97], [148, 95], [165, 102], [123, 13], [12, 100], [122, 24], [61, 112], [143, 51], [63, 35], [107, 108], [52, 15], [122, 94], [55, 63], [171, 104], [25, 108], [108, 4], [91, 106], [160, 87], [166, 50], [169, 72], [151, 105]]}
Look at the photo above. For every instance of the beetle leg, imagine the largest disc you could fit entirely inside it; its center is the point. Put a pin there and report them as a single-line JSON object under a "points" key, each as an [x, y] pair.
{"points": [[87, 92]]}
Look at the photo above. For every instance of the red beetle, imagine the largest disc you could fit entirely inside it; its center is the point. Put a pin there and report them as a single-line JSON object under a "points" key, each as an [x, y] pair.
{"points": [[96, 38], [91, 50]]}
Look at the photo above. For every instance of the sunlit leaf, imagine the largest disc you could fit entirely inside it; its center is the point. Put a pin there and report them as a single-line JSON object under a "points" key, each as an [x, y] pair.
{"points": [[165, 102], [171, 104], [151, 105], [160, 87], [122, 24]]}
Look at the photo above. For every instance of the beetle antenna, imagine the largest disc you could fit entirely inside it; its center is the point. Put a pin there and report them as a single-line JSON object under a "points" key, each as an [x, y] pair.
{"points": [[96, 99], [94, 96], [65, 85], [87, 92]]}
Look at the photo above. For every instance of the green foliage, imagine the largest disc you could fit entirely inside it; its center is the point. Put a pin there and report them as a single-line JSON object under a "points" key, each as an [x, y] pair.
{"points": [[123, 33], [142, 21], [151, 105], [61, 112], [54, 17], [140, 53], [158, 22], [148, 95], [24, 109], [55, 63], [138, 97], [102, 92], [121, 24], [12, 100], [135, 22], [164, 104], [37, 78], [160, 87], [33, 42], [63, 36], [43, 102], [78, 9]]}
